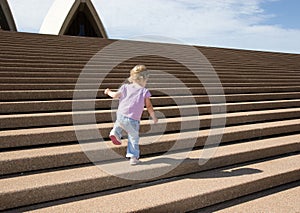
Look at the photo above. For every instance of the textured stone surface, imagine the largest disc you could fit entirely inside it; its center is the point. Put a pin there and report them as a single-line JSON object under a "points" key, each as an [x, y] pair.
{"points": [[283, 201], [191, 192], [88, 179], [41, 159]]}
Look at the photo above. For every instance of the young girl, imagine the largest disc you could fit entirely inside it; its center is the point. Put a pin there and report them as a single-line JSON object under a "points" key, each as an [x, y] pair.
{"points": [[132, 99]]}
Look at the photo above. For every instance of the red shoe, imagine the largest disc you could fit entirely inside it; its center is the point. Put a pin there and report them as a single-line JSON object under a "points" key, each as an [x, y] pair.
{"points": [[115, 140]]}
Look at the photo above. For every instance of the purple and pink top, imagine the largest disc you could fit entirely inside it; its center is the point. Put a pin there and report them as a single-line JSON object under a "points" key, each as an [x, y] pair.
{"points": [[132, 100]]}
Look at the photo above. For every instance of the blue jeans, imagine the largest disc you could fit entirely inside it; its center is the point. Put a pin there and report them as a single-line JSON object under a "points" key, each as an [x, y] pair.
{"points": [[132, 128]]}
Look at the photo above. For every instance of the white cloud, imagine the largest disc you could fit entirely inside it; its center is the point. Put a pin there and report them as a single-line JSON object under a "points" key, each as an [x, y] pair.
{"points": [[226, 23], [221, 23]]}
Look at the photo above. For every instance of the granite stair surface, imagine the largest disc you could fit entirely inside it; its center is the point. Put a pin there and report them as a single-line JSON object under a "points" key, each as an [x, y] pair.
{"points": [[217, 140]]}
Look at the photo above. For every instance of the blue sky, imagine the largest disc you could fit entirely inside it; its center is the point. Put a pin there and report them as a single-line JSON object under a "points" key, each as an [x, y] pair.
{"points": [[271, 25], [286, 13]]}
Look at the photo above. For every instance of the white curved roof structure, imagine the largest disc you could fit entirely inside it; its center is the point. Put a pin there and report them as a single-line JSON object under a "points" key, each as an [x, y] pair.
{"points": [[73, 17], [6, 18]]}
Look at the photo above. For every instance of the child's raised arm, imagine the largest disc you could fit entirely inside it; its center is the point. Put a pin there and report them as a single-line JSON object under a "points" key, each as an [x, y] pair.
{"points": [[150, 110], [115, 95]]}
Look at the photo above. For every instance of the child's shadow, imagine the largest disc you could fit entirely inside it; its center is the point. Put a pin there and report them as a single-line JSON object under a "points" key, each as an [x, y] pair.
{"points": [[163, 160], [229, 171], [219, 173]]}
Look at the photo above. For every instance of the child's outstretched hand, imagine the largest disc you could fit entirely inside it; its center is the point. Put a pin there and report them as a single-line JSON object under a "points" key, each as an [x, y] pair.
{"points": [[107, 91], [112, 94]]}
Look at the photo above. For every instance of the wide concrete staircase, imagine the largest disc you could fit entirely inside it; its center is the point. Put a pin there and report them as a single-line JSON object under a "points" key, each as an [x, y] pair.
{"points": [[56, 155]]}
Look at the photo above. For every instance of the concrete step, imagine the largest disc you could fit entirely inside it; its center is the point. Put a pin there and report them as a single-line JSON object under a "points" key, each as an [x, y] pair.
{"points": [[92, 67], [88, 46], [66, 105], [29, 40], [28, 80], [33, 37], [66, 134], [54, 51], [192, 191], [152, 64], [66, 118], [196, 190], [217, 62], [33, 159], [225, 54], [256, 57], [74, 72], [54, 60], [19, 65], [31, 55], [27, 59], [59, 47], [279, 199], [125, 75], [20, 58], [62, 118], [99, 93], [68, 86]]}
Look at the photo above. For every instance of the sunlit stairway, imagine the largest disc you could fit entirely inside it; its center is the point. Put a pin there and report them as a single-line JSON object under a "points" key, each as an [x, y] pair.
{"points": [[45, 168]]}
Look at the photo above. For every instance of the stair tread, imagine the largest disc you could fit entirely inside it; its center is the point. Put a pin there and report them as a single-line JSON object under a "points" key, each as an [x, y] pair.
{"points": [[200, 106], [99, 74], [76, 151], [155, 89], [183, 113], [192, 191], [231, 96], [249, 130], [158, 92], [7, 133], [283, 201]]}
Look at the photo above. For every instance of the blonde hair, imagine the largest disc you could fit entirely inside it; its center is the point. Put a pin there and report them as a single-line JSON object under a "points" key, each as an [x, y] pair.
{"points": [[138, 74]]}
